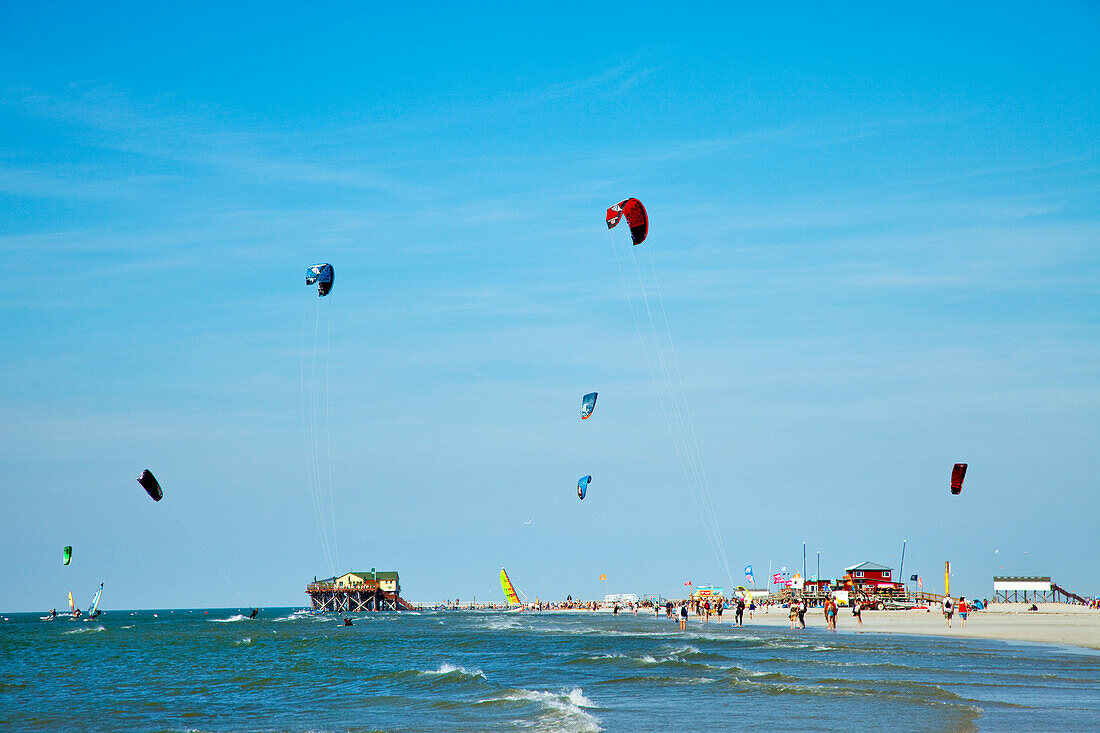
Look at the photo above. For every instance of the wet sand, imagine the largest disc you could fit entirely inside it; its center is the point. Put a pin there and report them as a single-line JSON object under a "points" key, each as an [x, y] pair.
{"points": [[1053, 623]]}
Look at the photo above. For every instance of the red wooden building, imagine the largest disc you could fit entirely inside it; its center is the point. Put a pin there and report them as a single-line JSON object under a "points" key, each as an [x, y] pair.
{"points": [[869, 576]]}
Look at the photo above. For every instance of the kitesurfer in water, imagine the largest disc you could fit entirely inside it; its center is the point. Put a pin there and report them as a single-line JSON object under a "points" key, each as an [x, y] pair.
{"points": [[347, 621], [53, 613], [253, 614]]}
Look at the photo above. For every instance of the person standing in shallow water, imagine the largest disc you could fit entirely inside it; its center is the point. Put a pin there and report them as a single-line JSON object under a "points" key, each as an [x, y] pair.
{"points": [[857, 611], [739, 614], [683, 617], [718, 606]]}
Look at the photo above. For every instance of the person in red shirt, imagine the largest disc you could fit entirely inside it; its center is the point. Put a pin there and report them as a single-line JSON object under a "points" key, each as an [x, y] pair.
{"points": [[964, 608]]}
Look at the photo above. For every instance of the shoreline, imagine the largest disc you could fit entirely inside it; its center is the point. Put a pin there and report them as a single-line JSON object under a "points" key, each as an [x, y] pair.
{"points": [[1053, 624], [1075, 626]]}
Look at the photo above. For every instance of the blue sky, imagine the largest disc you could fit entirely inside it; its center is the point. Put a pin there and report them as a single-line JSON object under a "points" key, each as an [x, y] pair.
{"points": [[875, 232]]}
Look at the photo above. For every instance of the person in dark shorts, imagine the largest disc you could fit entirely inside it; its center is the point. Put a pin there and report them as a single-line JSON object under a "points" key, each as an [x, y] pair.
{"points": [[718, 606], [739, 613]]}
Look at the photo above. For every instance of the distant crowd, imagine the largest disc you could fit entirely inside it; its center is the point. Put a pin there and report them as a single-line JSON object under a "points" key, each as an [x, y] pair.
{"points": [[708, 608]]}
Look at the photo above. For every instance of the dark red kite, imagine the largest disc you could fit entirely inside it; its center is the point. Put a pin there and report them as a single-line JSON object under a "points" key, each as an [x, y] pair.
{"points": [[635, 217], [957, 476]]}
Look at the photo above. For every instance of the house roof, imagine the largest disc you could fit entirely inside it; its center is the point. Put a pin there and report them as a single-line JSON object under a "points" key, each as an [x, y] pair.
{"points": [[364, 574], [867, 565], [380, 574], [1020, 578]]}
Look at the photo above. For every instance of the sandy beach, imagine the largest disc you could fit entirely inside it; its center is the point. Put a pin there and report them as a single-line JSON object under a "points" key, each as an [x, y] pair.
{"points": [[1053, 623]]}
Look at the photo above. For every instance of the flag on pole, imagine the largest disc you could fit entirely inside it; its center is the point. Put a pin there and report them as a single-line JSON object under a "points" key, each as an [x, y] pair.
{"points": [[913, 577], [777, 577], [919, 583], [748, 575], [688, 583], [603, 576]]}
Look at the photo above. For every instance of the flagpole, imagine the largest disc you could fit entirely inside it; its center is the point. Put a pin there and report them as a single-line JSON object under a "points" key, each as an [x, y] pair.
{"points": [[901, 570]]}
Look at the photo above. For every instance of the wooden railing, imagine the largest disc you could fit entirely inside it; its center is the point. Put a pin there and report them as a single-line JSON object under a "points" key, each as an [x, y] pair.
{"points": [[319, 587]]}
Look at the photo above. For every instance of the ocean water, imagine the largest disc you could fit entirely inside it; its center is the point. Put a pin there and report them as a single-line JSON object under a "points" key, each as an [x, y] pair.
{"points": [[471, 671]]}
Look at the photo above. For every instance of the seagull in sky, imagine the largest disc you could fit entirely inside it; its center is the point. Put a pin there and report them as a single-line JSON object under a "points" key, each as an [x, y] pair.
{"points": [[530, 521]]}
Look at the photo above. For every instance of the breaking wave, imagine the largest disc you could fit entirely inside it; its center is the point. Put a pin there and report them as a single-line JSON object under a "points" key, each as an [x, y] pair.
{"points": [[555, 711]]}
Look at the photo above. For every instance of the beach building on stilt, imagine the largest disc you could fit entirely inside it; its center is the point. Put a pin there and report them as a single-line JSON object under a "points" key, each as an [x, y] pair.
{"points": [[1031, 589], [357, 592]]}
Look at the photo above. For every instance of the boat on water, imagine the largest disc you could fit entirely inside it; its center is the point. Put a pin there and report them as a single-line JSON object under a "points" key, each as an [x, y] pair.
{"points": [[510, 593]]}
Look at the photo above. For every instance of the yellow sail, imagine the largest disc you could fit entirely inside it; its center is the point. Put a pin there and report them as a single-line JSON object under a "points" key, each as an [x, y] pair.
{"points": [[508, 588], [72, 608]]}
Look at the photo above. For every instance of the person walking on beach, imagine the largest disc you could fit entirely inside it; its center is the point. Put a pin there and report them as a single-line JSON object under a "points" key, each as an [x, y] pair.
{"points": [[948, 610], [802, 613], [718, 606], [739, 615], [668, 609], [794, 614], [857, 611], [752, 607], [963, 610], [683, 617], [830, 614]]}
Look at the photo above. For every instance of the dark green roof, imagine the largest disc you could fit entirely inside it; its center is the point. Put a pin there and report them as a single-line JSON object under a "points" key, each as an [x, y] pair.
{"points": [[380, 574]]}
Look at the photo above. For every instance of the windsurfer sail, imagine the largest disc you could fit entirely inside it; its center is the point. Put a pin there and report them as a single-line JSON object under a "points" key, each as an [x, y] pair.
{"points": [[95, 601], [72, 606], [509, 589]]}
